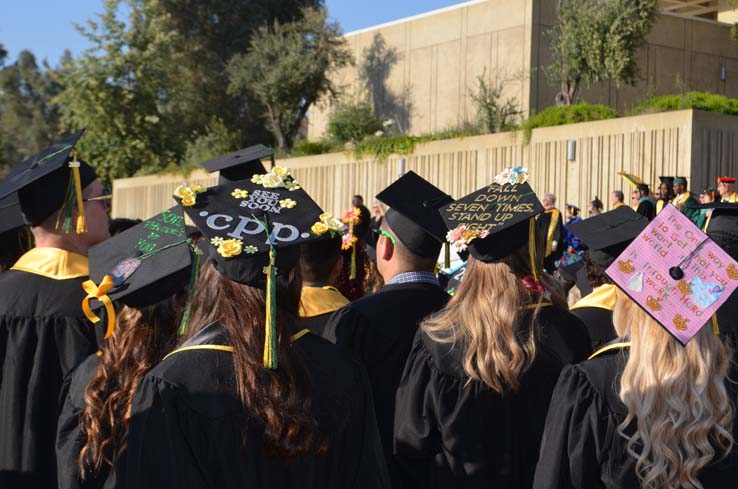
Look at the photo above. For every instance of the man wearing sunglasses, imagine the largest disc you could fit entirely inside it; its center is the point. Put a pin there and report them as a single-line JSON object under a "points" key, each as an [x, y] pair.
{"points": [[43, 331], [380, 328]]}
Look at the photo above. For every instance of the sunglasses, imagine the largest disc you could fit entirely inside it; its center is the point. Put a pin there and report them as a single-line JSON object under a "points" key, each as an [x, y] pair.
{"points": [[382, 232], [107, 194]]}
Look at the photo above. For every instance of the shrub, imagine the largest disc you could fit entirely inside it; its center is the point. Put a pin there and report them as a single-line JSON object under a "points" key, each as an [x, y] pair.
{"points": [[307, 148], [568, 114], [690, 100], [494, 113], [352, 122]]}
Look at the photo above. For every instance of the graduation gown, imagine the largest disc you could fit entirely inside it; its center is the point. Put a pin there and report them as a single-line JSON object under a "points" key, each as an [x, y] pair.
{"points": [[581, 447], [70, 439], [43, 336], [550, 225], [317, 305], [595, 311], [379, 329], [453, 433], [186, 424], [646, 208]]}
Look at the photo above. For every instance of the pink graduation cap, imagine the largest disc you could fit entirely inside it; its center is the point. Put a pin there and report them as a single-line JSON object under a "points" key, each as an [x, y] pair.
{"points": [[676, 274]]}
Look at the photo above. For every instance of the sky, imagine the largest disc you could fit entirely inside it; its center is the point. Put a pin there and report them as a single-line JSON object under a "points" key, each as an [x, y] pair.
{"points": [[46, 27]]}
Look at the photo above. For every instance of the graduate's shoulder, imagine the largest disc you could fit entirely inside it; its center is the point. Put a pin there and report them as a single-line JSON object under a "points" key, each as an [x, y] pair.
{"points": [[29, 294]]}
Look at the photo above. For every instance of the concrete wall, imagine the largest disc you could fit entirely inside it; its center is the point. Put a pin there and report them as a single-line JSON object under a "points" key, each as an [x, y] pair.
{"points": [[437, 57], [698, 145]]}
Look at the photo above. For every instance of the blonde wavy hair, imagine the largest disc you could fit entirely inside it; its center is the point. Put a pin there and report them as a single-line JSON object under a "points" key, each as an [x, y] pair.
{"points": [[487, 315], [677, 398]]}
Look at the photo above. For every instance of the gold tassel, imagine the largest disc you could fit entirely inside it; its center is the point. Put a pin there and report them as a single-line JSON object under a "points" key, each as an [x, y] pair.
{"points": [[74, 165], [270, 335], [532, 248], [715, 327]]}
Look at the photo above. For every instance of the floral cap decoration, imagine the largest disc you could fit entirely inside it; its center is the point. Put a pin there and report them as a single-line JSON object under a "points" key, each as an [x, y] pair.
{"points": [[278, 177], [188, 194], [351, 216], [461, 236], [327, 224], [512, 176]]}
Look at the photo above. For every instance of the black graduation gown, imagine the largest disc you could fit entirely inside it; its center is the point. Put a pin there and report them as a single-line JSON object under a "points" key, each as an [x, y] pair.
{"points": [[647, 209], [543, 221], [595, 311], [450, 432], [379, 329], [43, 336], [581, 447], [185, 430], [69, 437]]}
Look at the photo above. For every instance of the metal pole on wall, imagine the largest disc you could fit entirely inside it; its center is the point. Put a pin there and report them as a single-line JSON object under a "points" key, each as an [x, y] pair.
{"points": [[400, 167]]}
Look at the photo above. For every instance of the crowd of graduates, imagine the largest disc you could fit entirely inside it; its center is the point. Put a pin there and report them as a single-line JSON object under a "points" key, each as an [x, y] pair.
{"points": [[477, 342]]}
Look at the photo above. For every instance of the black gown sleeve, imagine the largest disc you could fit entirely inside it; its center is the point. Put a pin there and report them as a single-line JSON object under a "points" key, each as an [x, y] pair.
{"points": [[574, 440]]}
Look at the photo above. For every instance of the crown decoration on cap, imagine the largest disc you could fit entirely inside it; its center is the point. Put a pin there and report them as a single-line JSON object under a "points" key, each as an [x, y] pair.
{"points": [[278, 177]]}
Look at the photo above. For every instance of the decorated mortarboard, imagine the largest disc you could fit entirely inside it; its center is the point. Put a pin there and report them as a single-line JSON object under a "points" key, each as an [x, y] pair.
{"points": [[11, 217], [633, 180], [251, 231], [667, 180], [676, 273], [608, 234], [726, 179], [723, 219], [413, 213], [52, 181], [495, 220], [241, 164], [141, 266]]}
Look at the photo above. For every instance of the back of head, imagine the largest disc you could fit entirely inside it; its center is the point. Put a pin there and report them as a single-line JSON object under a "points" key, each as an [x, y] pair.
{"points": [[318, 259], [486, 315], [677, 396], [619, 195]]}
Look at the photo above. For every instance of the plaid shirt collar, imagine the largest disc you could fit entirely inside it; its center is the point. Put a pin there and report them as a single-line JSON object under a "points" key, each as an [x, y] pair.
{"points": [[414, 278]]}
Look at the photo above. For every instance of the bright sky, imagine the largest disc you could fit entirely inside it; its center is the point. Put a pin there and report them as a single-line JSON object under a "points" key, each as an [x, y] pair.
{"points": [[46, 26]]}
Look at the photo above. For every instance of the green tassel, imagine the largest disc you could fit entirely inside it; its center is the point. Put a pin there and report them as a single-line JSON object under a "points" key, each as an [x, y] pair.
{"points": [[270, 335]]}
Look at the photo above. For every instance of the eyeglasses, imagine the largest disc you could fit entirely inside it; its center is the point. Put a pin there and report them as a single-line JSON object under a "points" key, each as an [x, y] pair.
{"points": [[107, 194], [382, 232]]}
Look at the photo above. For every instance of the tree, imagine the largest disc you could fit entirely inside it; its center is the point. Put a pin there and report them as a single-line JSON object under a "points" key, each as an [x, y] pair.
{"points": [[288, 68], [352, 122], [118, 90], [28, 117], [596, 40], [494, 113]]}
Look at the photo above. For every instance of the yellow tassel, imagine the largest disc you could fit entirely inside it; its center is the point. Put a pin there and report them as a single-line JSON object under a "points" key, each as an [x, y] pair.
{"points": [[270, 335], [74, 165], [99, 292], [715, 327], [532, 248]]}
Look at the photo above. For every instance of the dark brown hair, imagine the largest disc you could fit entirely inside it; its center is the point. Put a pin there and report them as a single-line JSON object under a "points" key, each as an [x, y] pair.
{"points": [[280, 399], [142, 337], [318, 258]]}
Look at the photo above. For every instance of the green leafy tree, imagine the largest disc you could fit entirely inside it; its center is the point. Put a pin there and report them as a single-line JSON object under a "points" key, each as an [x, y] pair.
{"points": [[595, 40], [495, 114], [215, 141], [206, 35], [352, 122], [288, 68], [28, 117], [117, 89]]}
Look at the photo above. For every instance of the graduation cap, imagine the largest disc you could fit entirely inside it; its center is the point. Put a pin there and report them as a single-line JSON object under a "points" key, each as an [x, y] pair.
{"points": [[679, 181], [241, 164], [633, 180], [723, 220], [251, 231], [51, 181], [667, 180], [726, 180], [413, 214], [140, 266], [455, 277], [608, 234], [495, 220], [11, 217], [676, 273]]}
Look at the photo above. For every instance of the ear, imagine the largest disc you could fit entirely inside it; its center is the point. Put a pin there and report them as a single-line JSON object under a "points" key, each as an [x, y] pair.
{"points": [[387, 249]]}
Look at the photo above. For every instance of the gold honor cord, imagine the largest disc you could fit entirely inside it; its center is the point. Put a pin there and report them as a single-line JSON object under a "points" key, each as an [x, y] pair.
{"points": [[551, 230], [99, 292], [532, 248]]}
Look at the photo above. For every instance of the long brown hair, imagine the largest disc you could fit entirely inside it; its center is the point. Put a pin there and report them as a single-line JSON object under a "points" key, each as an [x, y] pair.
{"points": [[279, 399], [487, 315], [141, 339]]}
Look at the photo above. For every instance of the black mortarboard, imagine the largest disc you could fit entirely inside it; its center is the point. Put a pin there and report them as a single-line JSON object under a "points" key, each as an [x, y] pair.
{"points": [[45, 182], [723, 224], [232, 218], [11, 216], [679, 180], [413, 213], [148, 262], [241, 164], [608, 234], [667, 180], [498, 214]]}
